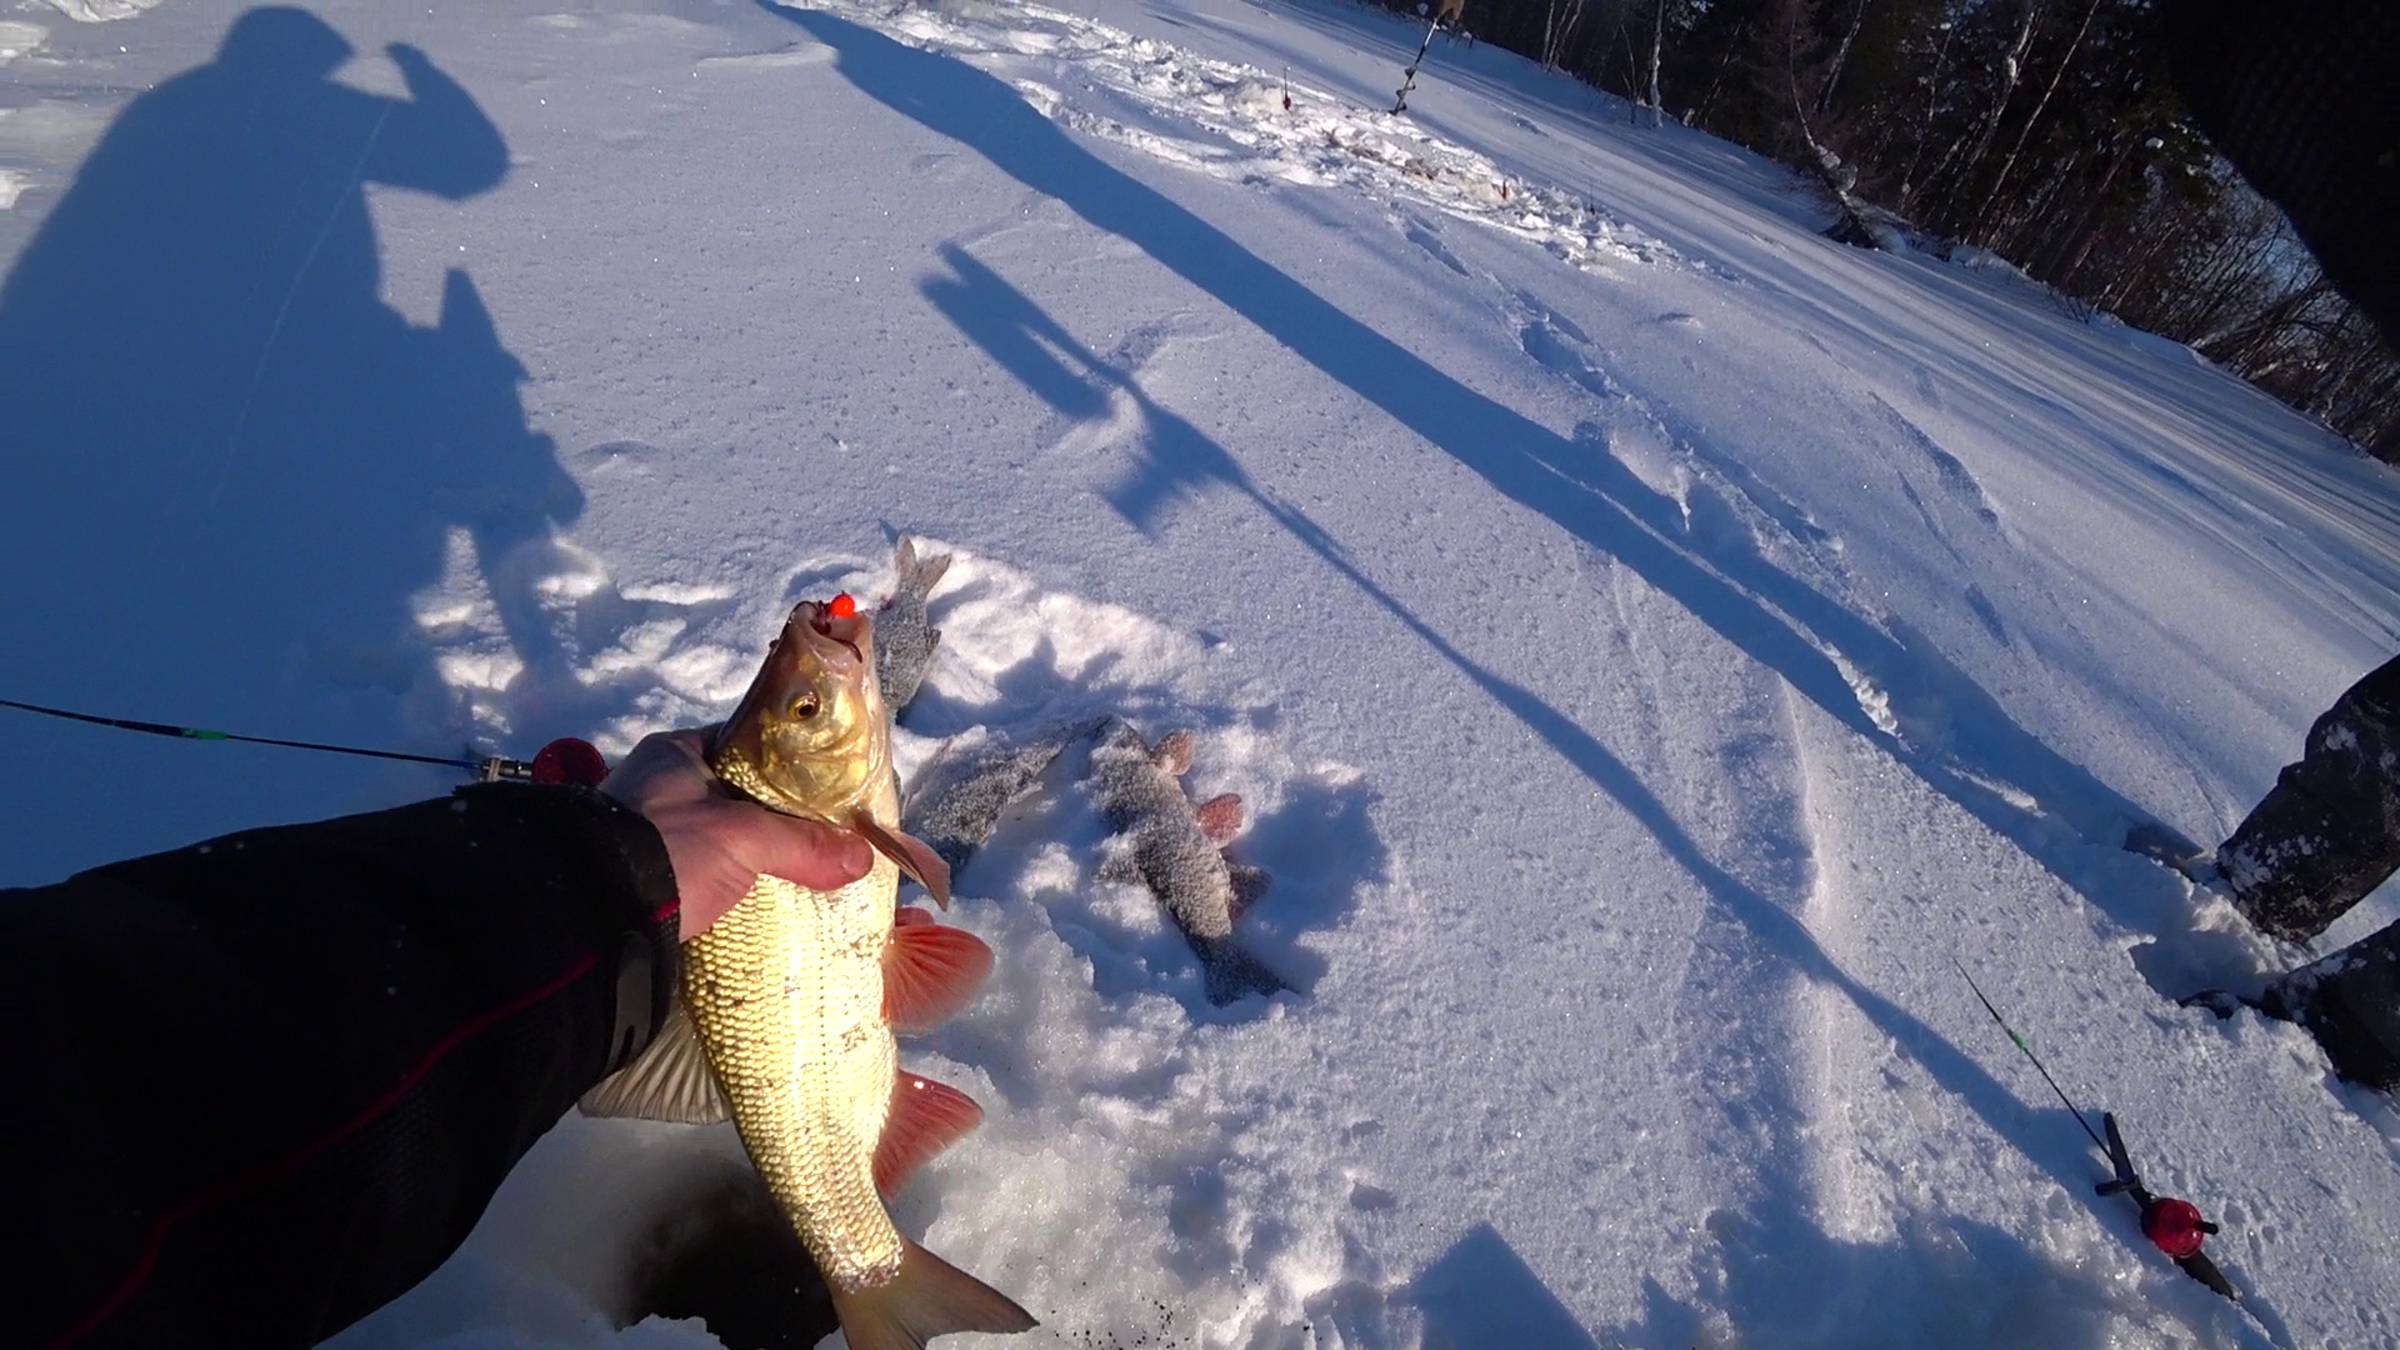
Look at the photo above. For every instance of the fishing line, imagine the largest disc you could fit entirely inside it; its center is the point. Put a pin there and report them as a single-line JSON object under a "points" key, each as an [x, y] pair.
{"points": [[494, 767], [2019, 1042]]}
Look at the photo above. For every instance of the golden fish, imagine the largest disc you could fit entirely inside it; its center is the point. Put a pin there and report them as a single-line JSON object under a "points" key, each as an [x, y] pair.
{"points": [[789, 1001]]}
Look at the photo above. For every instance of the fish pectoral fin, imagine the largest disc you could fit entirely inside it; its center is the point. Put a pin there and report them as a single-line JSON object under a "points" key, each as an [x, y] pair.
{"points": [[668, 1081], [926, 1117], [930, 971], [928, 1298], [1220, 817], [914, 856]]}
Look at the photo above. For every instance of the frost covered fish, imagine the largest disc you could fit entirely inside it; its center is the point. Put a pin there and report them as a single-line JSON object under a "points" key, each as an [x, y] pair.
{"points": [[1165, 843], [956, 802], [904, 633], [788, 1002]]}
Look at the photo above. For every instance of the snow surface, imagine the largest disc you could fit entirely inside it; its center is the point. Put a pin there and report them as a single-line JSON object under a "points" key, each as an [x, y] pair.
{"points": [[1653, 641]]}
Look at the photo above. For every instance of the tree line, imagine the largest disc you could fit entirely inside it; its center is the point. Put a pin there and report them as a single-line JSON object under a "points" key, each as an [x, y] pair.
{"points": [[2044, 131]]}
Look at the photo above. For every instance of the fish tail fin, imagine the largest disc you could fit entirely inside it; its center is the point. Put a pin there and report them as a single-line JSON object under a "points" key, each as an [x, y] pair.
{"points": [[928, 1298], [917, 572], [1232, 973]]}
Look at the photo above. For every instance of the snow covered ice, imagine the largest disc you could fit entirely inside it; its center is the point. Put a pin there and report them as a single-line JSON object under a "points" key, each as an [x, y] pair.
{"points": [[1651, 640]]}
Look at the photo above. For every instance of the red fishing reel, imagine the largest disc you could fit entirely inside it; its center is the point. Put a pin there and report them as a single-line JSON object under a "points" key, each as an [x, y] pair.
{"points": [[569, 761], [2175, 1226]]}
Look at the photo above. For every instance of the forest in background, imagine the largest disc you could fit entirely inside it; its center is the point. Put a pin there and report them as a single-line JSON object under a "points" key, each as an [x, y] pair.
{"points": [[2044, 131]]}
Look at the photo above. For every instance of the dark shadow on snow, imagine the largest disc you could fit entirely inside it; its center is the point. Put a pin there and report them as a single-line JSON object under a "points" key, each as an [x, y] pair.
{"points": [[231, 463], [718, 1248], [1944, 1281], [1319, 845], [1480, 1292], [1772, 617]]}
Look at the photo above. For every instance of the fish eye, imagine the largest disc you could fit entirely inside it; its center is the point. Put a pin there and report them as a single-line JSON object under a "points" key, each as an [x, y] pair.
{"points": [[804, 707]]}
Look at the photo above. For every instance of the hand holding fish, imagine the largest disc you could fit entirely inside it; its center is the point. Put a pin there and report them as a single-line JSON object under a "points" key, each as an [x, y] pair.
{"points": [[718, 842]]}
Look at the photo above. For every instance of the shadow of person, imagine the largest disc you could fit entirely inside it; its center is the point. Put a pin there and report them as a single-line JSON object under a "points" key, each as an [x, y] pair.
{"points": [[232, 463], [1812, 642]]}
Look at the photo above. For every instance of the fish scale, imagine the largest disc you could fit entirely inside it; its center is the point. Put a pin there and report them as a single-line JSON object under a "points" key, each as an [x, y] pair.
{"points": [[787, 994]]}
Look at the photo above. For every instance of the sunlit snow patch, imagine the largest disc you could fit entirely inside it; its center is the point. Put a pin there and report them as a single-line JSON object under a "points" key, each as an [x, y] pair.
{"points": [[102, 11], [1242, 123], [19, 39]]}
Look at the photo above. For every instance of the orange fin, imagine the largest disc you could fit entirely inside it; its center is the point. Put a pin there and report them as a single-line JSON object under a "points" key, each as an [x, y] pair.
{"points": [[915, 857], [1220, 817], [926, 1117], [929, 972], [909, 915], [1174, 754], [928, 1298]]}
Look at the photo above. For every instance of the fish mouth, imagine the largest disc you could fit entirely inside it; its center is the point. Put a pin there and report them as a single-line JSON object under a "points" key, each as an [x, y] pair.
{"points": [[838, 641]]}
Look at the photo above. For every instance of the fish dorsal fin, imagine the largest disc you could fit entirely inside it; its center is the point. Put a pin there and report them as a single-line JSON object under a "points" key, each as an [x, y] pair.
{"points": [[914, 856], [926, 1117], [669, 1080], [930, 971], [1220, 817]]}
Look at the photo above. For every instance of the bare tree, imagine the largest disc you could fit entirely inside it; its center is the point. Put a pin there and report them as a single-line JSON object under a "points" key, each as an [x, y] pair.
{"points": [[1933, 98], [1991, 202], [1658, 41], [1557, 29], [2012, 68], [1841, 55]]}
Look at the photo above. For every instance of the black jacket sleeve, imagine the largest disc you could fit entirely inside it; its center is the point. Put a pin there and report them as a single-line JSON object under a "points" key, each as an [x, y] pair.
{"points": [[265, 1084], [2301, 97]]}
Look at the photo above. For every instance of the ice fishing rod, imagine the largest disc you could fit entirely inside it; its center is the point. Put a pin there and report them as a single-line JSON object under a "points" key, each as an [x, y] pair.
{"points": [[1408, 77], [2174, 1226], [562, 761], [2035, 1060]]}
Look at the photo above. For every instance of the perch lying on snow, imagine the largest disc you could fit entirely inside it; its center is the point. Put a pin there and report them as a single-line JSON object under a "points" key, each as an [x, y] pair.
{"points": [[1164, 842], [1160, 840], [904, 633], [957, 800]]}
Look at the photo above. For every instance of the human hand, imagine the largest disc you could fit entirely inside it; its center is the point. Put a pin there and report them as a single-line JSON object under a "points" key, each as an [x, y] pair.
{"points": [[717, 842]]}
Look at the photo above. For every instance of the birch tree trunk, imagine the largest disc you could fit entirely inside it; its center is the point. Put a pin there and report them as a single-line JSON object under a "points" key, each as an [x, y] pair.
{"points": [[1933, 93], [2025, 132], [1658, 41], [1833, 74], [2012, 68]]}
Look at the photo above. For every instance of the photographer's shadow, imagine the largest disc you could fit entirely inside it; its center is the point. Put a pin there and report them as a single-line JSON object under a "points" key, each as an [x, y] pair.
{"points": [[232, 463]]}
